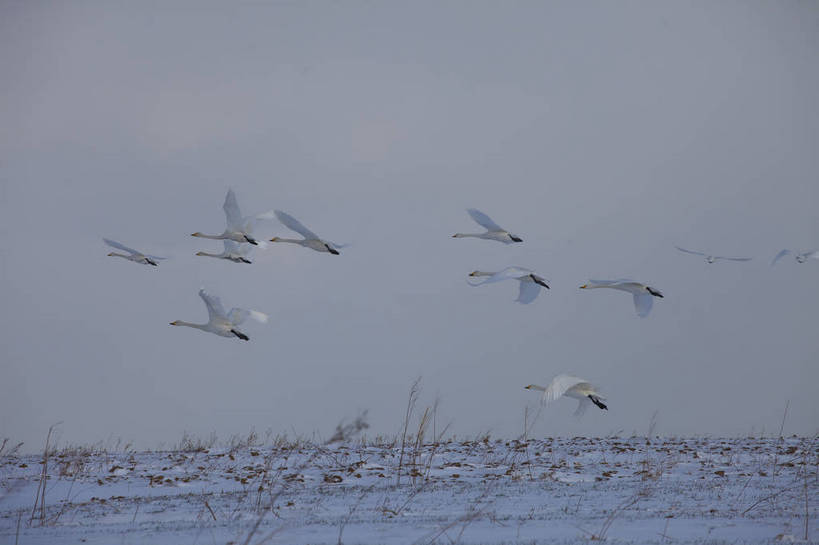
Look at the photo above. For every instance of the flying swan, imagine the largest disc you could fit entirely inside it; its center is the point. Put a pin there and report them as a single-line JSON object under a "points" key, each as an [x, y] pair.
{"points": [[310, 240], [712, 258], [493, 230], [238, 253], [800, 258], [643, 295], [222, 323], [530, 283], [133, 255], [238, 228], [577, 388]]}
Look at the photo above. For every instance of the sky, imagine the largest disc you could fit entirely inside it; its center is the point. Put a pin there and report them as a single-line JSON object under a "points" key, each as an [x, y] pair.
{"points": [[601, 133]]}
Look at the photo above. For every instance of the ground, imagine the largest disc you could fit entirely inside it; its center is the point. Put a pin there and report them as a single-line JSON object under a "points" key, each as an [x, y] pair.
{"points": [[621, 490]]}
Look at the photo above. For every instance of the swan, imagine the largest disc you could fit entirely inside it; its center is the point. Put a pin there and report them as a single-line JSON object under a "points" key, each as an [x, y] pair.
{"points": [[221, 322], [800, 258], [493, 230], [530, 283], [712, 258], [133, 255], [238, 253], [569, 386], [310, 240], [643, 295], [238, 228]]}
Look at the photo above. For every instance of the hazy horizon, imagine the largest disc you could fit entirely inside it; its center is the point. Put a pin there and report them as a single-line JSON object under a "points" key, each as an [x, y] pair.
{"points": [[602, 134]]}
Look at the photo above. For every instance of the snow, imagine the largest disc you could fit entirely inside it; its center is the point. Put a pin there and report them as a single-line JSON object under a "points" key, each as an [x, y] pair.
{"points": [[624, 490]]}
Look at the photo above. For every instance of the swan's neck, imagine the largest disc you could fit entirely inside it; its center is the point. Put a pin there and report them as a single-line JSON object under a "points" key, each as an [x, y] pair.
{"points": [[120, 255], [214, 237], [482, 273], [463, 235], [188, 324], [291, 240], [210, 255]]}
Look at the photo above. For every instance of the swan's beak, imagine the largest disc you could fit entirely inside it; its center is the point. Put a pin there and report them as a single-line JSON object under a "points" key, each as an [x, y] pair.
{"points": [[199, 253], [112, 253], [584, 286], [173, 323], [473, 273], [196, 234], [527, 387], [274, 239]]}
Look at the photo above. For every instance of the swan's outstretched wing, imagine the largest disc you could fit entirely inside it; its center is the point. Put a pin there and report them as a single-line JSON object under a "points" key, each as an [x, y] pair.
{"points": [[688, 251], [642, 303], [233, 218], [582, 405], [484, 220], [779, 256], [528, 292], [811, 255], [559, 386], [239, 315], [293, 224], [118, 246], [214, 304]]}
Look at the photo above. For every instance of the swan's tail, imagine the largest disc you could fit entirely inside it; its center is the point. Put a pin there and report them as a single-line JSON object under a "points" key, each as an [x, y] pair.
{"points": [[245, 337], [596, 401]]}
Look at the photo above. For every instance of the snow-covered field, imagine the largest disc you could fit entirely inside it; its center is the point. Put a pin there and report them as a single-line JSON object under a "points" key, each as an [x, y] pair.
{"points": [[623, 490]]}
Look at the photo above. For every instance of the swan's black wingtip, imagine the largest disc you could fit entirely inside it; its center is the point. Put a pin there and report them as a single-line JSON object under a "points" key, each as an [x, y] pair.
{"points": [[240, 335]]}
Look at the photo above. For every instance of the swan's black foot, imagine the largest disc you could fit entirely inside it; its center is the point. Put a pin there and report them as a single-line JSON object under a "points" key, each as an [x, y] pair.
{"points": [[243, 260], [240, 335], [251, 240], [596, 401], [331, 249], [150, 262], [515, 239], [654, 292]]}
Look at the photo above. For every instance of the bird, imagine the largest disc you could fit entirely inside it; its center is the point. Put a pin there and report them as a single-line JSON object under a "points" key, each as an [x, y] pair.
{"points": [[237, 228], [133, 255], [310, 240], [234, 251], [493, 230], [223, 323], [800, 258], [712, 258], [643, 295], [569, 386], [530, 283]]}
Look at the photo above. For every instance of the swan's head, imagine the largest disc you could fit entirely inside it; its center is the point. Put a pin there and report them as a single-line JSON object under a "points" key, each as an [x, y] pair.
{"points": [[196, 234], [457, 235], [530, 387], [710, 259], [175, 322], [110, 254], [274, 239], [200, 253], [473, 273], [584, 287]]}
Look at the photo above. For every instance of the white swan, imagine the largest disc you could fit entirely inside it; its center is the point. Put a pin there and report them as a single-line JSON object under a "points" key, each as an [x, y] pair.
{"points": [[237, 228], [569, 386], [712, 258], [530, 283], [310, 240], [493, 230], [133, 255], [221, 322], [238, 253], [800, 258], [643, 295]]}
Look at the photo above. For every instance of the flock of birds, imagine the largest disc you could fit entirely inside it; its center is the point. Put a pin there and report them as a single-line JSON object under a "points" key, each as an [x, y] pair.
{"points": [[239, 243]]}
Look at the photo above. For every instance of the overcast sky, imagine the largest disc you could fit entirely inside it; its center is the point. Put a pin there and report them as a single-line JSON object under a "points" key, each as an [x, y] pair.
{"points": [[603, 133]]}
